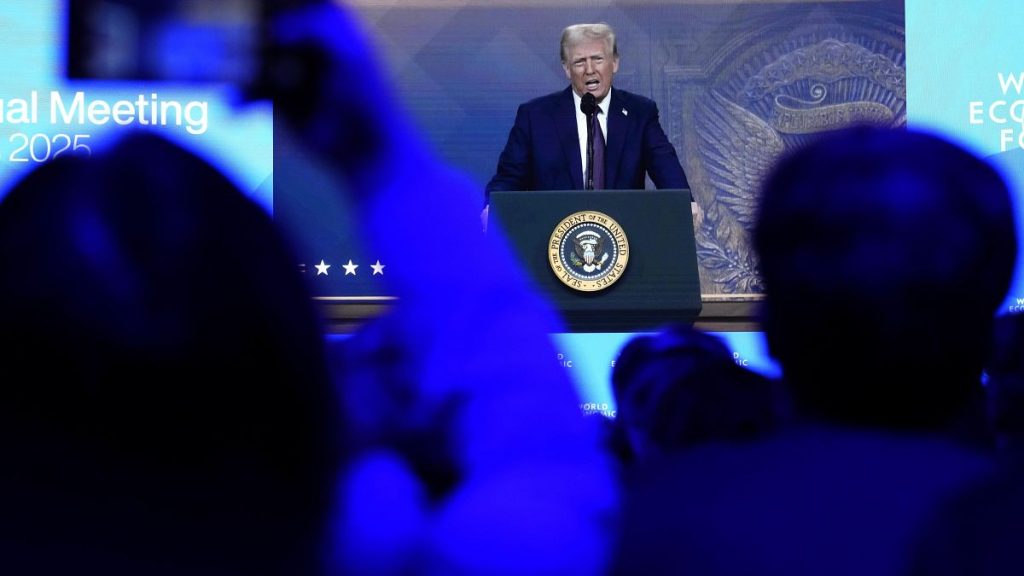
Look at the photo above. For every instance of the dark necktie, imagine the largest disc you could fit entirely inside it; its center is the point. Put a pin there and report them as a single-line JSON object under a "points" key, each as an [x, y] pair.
{"points": [[598, 166]]}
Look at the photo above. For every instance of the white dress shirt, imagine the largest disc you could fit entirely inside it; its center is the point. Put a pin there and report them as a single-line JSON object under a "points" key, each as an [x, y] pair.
{"points": [[581, 125]]}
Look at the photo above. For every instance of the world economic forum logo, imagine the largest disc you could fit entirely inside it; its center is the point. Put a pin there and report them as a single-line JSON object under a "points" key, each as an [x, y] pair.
{"points": [[588, 251]]}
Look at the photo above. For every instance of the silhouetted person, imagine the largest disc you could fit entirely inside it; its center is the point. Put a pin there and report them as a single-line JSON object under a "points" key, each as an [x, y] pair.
{"points": [[884, 255], [1005, 388], [680, 388], [470, 455], [980, 531], [165, 406]]}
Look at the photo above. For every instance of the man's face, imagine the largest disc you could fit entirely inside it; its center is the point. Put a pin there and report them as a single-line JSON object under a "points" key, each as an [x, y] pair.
{"points": [[590, 68]]}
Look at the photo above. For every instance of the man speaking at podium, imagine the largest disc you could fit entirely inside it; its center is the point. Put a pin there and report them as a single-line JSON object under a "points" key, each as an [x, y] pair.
{"points": [[587, 136]]}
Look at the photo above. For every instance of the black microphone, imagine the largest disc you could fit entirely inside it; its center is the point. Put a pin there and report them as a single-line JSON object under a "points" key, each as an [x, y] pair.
{"points": [[588, 105]]}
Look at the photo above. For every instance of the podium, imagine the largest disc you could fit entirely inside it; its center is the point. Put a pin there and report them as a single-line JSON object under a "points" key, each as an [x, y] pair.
{"points": [[609, 260]]}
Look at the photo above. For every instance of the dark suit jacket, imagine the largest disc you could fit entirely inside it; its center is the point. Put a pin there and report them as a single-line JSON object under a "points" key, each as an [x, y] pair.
{"points": [[543, 148]]}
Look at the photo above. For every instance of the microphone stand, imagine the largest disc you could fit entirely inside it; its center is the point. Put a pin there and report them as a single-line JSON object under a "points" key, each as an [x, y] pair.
{"points": [[590, 153], [589, 107]]}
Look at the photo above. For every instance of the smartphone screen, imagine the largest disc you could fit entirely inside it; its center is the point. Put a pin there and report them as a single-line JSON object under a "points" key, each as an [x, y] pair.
{"points": [[171, 40]]}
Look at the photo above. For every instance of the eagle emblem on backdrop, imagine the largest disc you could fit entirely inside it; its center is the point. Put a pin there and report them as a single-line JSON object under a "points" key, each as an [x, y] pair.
{"points": [[781, 96]]}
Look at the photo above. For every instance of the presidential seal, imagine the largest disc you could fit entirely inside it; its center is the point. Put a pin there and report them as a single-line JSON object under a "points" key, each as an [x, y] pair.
{"points": [[588, 251]]}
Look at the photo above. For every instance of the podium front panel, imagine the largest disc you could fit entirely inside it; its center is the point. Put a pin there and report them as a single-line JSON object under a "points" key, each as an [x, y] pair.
{"points": [[659, 283]]}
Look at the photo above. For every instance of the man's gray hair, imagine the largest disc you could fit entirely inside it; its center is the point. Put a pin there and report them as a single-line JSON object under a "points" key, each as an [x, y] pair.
{"points": [[573, 35]]}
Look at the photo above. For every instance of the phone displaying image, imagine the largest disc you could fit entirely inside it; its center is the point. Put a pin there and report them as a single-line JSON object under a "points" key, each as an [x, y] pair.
{"points": [[165, 40]]}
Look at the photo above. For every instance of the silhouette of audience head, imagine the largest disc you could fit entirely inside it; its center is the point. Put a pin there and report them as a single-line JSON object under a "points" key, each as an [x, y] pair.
{"points": [[681, 387], [165, 405], [885, 254]]}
